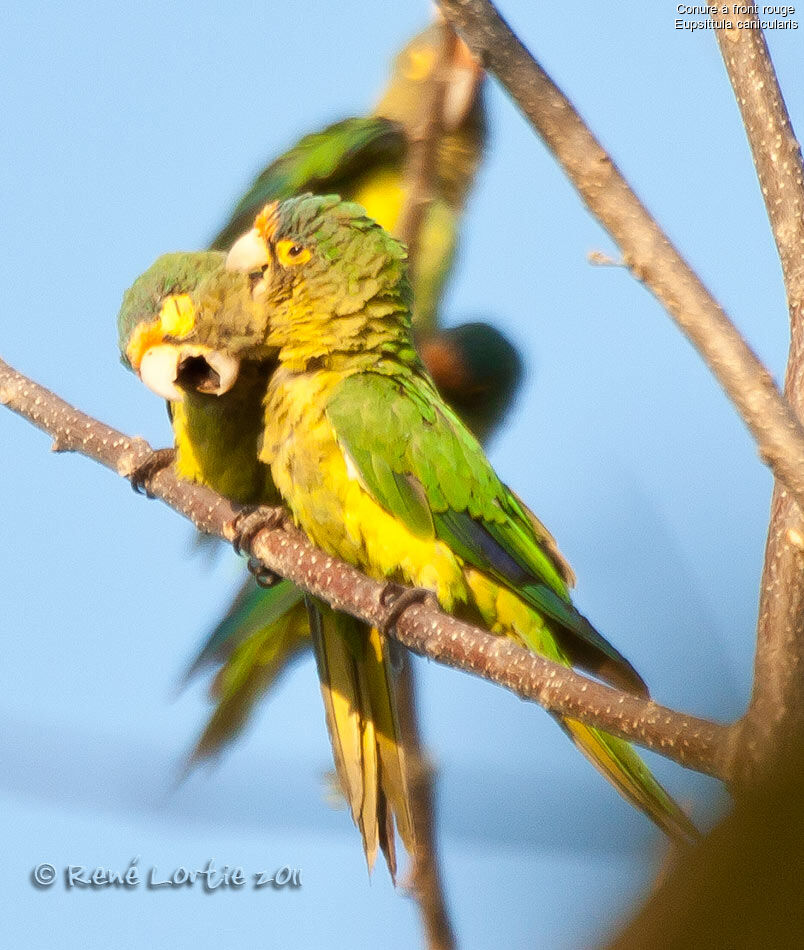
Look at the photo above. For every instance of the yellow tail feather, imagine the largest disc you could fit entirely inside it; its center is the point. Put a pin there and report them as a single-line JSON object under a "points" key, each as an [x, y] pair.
{"points": [[626, 771], [359, 701]]}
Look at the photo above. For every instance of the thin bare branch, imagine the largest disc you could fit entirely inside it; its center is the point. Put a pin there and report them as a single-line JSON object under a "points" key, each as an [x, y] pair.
{"points": [[647, 251], [420, 169], [696, 743], [775, 718], [423, 148], [426, 882]]}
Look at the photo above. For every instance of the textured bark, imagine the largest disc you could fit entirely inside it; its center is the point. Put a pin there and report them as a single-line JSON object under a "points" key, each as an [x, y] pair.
{"points": [[774, 723], [741, 887], [426, 883], [423, 150], [422, 627]]}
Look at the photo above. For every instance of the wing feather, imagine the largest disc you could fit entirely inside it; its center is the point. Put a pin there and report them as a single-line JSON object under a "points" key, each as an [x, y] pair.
{"points": [[322, 162], [429, 471]]}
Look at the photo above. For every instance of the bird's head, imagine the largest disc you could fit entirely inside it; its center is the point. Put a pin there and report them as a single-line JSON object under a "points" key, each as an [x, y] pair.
{"points": [[417, 63], [325, 278], [167, 332], [314, 277]]}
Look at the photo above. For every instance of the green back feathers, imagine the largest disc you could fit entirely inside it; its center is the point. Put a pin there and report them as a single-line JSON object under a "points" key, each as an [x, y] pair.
{"points": [[431, 473], [325, 162], [439, 471]]}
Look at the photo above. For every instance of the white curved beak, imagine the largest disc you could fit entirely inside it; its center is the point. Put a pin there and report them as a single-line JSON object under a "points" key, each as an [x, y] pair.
{"points": [[162, 365], [248, 254]]}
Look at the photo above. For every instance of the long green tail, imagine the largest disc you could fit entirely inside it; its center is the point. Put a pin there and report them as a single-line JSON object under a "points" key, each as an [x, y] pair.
{"points": [[262, 633], [626, 771]]}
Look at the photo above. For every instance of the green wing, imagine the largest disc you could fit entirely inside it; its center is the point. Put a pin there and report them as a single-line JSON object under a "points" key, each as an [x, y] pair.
{"points": [[431, 473], [324, 162], [261, 634], [254, 609]]}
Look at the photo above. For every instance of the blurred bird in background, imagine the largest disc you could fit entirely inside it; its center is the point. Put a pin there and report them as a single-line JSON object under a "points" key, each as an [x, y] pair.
{"points": [[314, 303], [475, 367]]}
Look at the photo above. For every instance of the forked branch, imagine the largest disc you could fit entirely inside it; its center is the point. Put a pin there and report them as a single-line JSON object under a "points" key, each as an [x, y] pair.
{"points": [[695, 743], [646, 249]]}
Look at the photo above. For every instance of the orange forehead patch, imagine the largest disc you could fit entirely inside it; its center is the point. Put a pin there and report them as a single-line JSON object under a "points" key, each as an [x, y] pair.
{"points": [[145, 336], [267, 221], [463, 56], [176, 319]]}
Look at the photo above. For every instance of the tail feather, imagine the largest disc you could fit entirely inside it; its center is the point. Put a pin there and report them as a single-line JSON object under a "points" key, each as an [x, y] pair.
{"points": [[359, 701], [249, 670], [626, 771], [253, 611], [395, 772]]}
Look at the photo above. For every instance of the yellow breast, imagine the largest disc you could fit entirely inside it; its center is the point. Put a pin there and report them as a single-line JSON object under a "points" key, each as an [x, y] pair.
{"points": [[217, 442], [381, 194], [322, 488]]}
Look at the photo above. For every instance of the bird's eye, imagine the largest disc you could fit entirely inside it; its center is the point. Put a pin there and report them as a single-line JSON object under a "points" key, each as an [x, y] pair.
{"points": [[290, 254]]}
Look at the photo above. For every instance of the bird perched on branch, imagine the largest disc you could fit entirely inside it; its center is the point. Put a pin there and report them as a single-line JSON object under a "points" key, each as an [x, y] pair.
{"points": [[476, 368], [216, 411], [371, 462], [365, 159]]}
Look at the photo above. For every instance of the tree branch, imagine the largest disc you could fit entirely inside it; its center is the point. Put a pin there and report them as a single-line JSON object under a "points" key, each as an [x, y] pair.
{"points": [[426, 882], [420, 169], [647, 251], [423, 148], [696, 743], [775, 718]]}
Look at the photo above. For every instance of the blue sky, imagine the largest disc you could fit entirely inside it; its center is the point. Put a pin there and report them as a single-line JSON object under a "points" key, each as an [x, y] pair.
{"points": [[128, 134]]}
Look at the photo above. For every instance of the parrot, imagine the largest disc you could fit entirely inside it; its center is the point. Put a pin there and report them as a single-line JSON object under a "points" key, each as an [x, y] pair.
{"points": [[372, 464], [475, 366], [364, 159], [218, 427]]}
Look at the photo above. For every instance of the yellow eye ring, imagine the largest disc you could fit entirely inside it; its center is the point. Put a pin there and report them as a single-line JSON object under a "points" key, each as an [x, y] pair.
{"points": [[290, 254]]}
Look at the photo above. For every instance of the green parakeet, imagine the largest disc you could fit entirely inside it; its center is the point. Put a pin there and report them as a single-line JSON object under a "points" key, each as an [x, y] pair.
{"points": [[372, 463], [363, 159], [216, 413], [474, 365]]}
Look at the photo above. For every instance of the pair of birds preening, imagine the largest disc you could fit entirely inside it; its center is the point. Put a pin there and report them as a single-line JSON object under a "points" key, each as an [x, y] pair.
{"points": [[287, 358]]}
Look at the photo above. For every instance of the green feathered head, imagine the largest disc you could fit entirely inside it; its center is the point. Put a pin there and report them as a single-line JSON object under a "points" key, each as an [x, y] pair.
{"points": [[325, 277], [314, 277], [170, 275], [182, 320]]}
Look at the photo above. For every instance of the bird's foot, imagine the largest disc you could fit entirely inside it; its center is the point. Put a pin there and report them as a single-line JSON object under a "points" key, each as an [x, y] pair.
{"points": [[246, 526], [263, 575], [145, 471], [397, 599]]}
